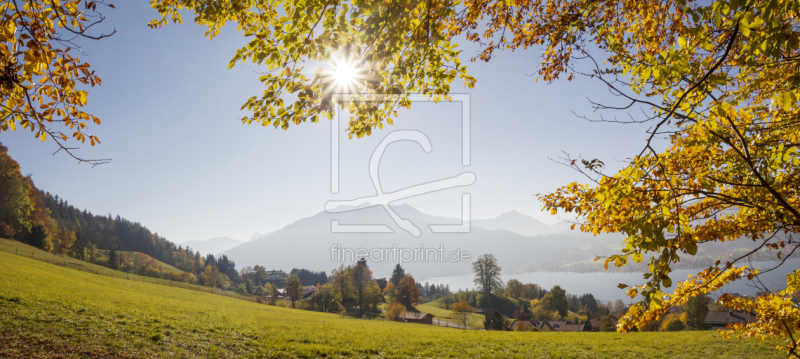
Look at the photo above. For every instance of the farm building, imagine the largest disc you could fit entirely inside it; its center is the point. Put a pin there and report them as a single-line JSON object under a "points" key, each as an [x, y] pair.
{"points": [[417, 317], [719, 320]]}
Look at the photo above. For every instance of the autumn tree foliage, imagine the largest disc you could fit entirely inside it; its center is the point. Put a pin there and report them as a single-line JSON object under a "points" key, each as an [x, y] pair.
{"points": [[211, 277], [397, 48], [41, 77], [718, 83], [407, 293], [395, 310], [342, 281], [461, 312]]}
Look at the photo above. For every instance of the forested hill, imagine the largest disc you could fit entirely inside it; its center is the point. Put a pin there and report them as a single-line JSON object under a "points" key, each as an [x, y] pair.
{"points": [[117, 233], [48, 222]]}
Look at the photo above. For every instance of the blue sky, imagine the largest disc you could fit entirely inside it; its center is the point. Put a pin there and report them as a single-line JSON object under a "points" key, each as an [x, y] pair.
{"points": [[185, 166]]}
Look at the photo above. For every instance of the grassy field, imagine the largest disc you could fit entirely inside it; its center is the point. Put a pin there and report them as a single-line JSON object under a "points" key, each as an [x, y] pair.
{"points": [[52, 311], [25, 250], [474, 320]]}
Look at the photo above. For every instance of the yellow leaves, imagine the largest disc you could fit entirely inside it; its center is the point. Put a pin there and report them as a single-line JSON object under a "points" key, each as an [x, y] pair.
{"points": [[788, 100], [36, 102]]}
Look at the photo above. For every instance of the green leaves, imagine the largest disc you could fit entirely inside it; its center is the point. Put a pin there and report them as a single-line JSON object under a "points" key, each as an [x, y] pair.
{"points": [[691, 248]]}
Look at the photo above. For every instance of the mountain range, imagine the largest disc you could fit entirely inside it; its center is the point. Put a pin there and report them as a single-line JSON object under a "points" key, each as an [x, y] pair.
{"points": [[213, 246], [518, 241]]}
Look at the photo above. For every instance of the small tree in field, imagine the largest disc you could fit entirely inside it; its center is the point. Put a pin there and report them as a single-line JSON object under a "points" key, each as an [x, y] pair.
{"points": [[461, 312], [294, 289]]}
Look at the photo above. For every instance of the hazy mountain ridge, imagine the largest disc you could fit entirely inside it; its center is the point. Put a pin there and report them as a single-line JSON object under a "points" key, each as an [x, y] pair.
{"points": [[521, 224], [307, 243], [213, 246]]}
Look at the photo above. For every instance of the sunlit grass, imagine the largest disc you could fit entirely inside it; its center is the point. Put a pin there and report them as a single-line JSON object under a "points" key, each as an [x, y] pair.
{"points": [[53, 310]]}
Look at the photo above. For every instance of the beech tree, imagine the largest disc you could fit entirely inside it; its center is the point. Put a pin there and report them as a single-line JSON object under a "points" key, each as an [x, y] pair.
{"points": [[487, 274], [40, 75]]}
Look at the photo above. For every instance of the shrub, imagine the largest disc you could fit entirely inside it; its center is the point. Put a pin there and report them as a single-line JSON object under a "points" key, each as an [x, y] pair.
{"points": [[394, 311], [672, 323], [653, 326], [494, 321], [607, 324], [522, 328]]}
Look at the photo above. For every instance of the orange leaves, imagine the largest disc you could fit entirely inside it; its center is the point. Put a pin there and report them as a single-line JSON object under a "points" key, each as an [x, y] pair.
{"points": [[39, 76]]}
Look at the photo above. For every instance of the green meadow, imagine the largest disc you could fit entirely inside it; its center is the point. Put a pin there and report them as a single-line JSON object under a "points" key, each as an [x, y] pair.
{"points": [[49, 311]]}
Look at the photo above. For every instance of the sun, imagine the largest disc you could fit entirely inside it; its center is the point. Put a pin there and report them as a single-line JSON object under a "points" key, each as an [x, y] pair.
{"points": [[345, 74]]}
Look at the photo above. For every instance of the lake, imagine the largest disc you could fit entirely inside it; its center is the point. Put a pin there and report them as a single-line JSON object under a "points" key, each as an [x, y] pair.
{"points": [[603, 285]]}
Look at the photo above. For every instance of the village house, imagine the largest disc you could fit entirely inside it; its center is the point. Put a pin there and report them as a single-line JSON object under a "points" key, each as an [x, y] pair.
{"points": [[595, 322], [719, 320], [276, 275], [308, 290], [417, 317]]}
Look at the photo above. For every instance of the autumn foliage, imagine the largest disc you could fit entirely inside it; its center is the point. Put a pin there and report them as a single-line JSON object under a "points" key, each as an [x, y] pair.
{"points": [[41, 77]]}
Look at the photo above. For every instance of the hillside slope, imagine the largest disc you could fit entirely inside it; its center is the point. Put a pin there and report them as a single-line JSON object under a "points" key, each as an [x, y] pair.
{"points": [[50, 311]]}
